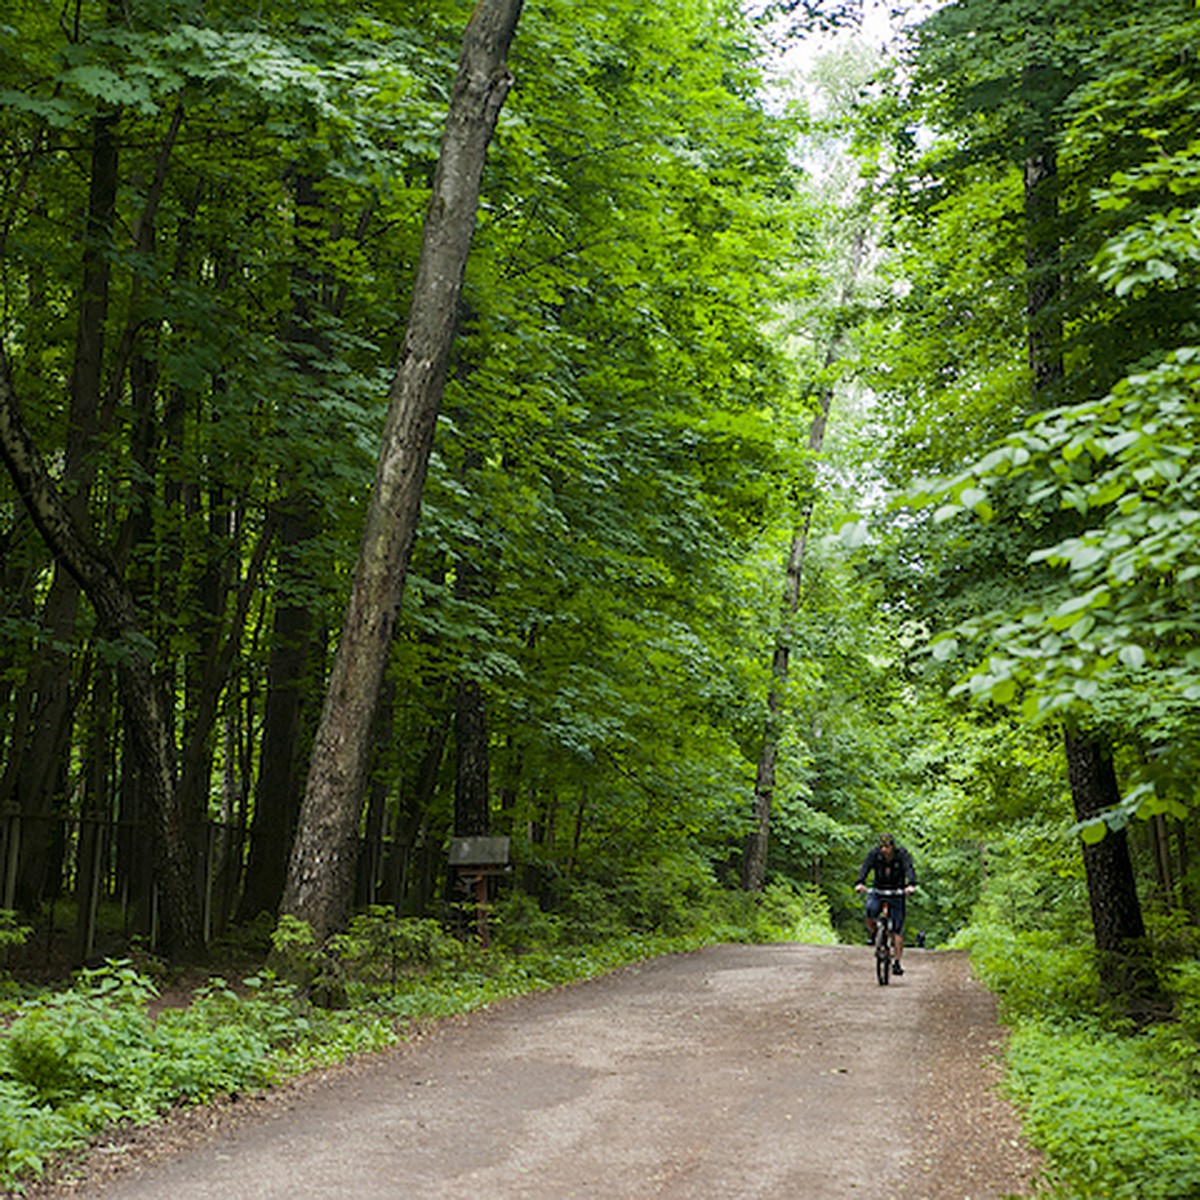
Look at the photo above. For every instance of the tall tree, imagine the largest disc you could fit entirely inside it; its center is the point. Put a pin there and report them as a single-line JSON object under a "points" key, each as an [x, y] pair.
{"points": [[146, 709], [827, 320], [1013, 104], [320, 880]]}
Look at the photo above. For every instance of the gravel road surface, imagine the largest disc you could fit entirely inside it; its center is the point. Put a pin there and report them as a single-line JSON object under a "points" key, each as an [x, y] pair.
{"points": [[736, 1071]]}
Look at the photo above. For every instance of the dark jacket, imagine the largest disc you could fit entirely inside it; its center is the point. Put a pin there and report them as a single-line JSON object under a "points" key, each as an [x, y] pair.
{"points": [[894, 874]]}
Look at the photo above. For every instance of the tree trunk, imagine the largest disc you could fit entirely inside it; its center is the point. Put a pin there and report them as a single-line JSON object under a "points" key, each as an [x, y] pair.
{"points": [[1112, 893], [471, 807], [281, 774], [754, 860], [1125, 970], [95, 815], [321, 873], [1043, 283], [43, 763], [148, 715], [472, 783]]}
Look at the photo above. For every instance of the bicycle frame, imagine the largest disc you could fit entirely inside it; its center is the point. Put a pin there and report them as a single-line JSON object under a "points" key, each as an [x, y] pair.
{"points": [[885, 935]]}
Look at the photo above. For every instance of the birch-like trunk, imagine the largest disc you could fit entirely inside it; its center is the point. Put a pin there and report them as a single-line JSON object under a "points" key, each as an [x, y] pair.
{"points": [[754, 858]]}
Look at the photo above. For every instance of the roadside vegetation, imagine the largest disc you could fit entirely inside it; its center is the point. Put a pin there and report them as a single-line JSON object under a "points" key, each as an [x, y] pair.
{"points": [[1113, 1103], [102, 1052]]}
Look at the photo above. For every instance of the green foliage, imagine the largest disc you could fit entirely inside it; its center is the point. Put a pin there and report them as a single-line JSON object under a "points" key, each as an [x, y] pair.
{"points": [[785, 912], [77, 1060], [12, 932], [1094, 1102], [1113, 1107], [379, 947], [1061, 517], [518, 923], [294, 949], [1033, 972], [1121, 463]]}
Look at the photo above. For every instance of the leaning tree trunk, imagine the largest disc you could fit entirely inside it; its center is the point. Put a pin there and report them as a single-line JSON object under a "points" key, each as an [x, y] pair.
{"points": [[320, 881], [147, 713]]}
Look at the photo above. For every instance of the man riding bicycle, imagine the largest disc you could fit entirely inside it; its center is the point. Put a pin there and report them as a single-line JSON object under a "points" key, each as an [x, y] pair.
{"points": [[893, 870]]}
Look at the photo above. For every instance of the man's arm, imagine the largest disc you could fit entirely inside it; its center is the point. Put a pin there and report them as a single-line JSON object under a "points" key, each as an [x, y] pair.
{"points": [[868, 863], [910, 873]]}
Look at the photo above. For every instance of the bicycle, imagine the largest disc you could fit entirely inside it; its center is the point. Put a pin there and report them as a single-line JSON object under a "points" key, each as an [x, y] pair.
{"points": [[885, 935]]}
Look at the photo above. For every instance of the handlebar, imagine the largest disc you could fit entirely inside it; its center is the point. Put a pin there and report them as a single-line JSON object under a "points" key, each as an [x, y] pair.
{"points": [[904, 891]]}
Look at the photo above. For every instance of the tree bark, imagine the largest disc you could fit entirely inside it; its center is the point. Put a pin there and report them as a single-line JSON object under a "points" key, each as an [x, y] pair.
{"points": [[321, 872], [472, 816], [43, 759], [1125, 970], [281, 774], [1112, 890]]}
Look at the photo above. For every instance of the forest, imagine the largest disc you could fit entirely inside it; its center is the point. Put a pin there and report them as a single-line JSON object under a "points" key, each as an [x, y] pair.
{"points": [[810, 449]]}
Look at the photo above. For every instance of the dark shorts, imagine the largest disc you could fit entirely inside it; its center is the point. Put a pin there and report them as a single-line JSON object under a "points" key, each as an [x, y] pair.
{"points": [[875, 903]]}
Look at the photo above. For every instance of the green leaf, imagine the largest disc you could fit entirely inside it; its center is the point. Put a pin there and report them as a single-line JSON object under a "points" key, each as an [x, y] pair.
{"points": [[1132, 655], [944, 647]]}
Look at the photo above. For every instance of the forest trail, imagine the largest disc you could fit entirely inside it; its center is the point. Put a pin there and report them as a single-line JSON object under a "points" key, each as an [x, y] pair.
{"points": [[735, 1071]]}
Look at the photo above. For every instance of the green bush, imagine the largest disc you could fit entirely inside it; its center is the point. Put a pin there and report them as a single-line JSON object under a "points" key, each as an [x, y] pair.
{"points": [[379, 947], [1115, 1109], [667, 896], [795, 913], [1034, 972], [518, 923], [74, 1061], [1096, 1104]]}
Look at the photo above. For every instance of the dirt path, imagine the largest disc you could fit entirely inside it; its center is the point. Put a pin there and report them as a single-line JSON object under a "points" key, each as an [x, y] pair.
{"points": [[736, 1071]]}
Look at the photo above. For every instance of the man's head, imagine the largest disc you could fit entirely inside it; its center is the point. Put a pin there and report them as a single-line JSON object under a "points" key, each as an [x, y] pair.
{"points": [[887, 845]]}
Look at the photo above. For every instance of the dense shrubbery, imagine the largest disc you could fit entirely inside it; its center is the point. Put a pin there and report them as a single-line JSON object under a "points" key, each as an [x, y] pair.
{"points": [[1108, 1111], [1115, 1108], [74, 1061]]}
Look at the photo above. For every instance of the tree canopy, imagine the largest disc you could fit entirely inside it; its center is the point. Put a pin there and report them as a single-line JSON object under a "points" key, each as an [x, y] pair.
{"points": [[707, 336]]}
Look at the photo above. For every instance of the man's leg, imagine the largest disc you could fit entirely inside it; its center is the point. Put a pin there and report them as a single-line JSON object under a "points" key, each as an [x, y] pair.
{"points": [[870, 913]]}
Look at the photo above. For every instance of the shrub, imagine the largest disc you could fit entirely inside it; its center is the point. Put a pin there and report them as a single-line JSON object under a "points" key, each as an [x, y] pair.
{"points": [[1095, 1104], [518, 923], [1034, 972], [379, 947], [795, 913], [76, 1060]]}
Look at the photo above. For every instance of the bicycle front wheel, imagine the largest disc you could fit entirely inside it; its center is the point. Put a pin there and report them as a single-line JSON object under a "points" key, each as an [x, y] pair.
{"points": [[883, 960]]}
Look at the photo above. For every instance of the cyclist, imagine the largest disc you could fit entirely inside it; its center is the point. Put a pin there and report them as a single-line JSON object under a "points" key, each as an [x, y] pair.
{"points": [[893, 868]]}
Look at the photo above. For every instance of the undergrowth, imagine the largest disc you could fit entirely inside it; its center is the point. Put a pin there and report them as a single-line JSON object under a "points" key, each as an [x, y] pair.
{"points": [[75, 1061], [1115, 1107]]}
